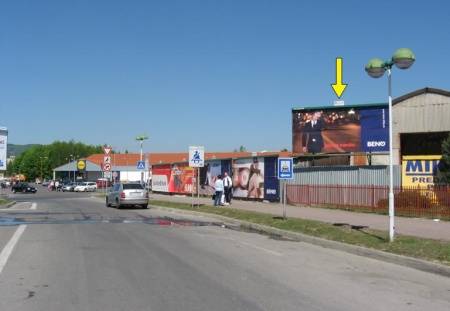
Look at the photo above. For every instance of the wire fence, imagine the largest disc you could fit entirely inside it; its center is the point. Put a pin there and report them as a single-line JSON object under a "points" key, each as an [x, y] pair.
{"points": [[432, 202]]}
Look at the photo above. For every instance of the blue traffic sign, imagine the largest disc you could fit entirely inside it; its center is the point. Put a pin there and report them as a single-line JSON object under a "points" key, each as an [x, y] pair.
{"points": [[285, 168], [140, 165]]}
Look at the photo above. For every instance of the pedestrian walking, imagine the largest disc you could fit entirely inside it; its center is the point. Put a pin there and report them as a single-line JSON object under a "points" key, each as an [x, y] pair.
{"points": [[218, 186], [227, 188]]}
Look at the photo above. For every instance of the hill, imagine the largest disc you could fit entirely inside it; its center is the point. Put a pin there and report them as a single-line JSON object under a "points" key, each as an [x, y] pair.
{"points": [[16, 150]]}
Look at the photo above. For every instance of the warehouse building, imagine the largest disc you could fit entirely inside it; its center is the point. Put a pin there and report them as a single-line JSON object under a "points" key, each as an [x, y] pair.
{"points": [[421, 122]]}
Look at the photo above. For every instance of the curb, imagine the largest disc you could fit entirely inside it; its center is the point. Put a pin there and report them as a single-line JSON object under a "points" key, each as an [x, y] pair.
{"points": [[8, 205], [418, 264]]}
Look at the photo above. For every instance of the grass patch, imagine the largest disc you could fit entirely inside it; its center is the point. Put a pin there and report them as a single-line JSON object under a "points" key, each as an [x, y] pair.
{"points": [[4, 201], [428, 249]]}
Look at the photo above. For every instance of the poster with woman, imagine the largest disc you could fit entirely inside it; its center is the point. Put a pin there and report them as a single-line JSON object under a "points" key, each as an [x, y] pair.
{"points": [[208, 176], [175, 178], [248, 178]]}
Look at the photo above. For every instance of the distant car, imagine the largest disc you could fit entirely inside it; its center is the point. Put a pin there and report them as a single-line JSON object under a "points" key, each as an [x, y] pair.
{"points": [[86, 186], [69, 187], [23, 187], [127, 195], [45, 183]]}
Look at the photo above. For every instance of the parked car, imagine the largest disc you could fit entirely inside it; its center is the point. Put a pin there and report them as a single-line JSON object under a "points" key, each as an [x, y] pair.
{"points": [[127, 195], [45, 183], [70, 187], [86, 186], [23, 187]]}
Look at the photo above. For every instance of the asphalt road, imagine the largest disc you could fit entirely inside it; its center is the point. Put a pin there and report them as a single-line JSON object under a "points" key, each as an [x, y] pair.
{"points": [[73, 253]]}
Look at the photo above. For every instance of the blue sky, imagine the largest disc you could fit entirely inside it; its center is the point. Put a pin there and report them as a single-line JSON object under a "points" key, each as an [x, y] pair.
{"points": [[214, 73]]}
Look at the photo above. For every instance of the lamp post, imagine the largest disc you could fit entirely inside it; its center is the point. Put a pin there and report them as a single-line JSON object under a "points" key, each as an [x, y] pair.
{"points": [[403, 59], [42, 178], [141, 139]]}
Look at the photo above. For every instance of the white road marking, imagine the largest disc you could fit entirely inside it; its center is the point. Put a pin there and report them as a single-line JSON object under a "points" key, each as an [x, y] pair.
{"points": [[17, 207], [7, 250], [266, 250], [261, 248], [33, 206]]}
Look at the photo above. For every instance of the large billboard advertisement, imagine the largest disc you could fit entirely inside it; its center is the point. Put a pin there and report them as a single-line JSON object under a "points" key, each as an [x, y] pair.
{"points": [[340, 130], [3, 148], [248, 178], [175, 178]]}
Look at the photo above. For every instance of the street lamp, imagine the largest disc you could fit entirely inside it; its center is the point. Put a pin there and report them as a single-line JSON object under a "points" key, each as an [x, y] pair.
{"points": [[403, 59], [41, 158], [141, 139]]}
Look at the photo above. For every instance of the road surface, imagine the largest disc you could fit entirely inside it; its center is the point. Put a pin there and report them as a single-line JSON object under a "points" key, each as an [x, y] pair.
{"points": [[70, 252]]}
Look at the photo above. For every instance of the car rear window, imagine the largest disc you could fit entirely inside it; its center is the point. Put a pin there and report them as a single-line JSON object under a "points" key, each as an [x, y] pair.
{"points": [[132, 186]]}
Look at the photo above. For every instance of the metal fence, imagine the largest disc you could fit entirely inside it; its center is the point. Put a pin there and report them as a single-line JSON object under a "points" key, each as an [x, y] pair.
{"points": [[413, 202], [377, 175]]}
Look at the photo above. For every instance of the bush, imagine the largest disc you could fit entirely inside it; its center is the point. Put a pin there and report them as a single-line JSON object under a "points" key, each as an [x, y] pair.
{"points": [[408, 198]]}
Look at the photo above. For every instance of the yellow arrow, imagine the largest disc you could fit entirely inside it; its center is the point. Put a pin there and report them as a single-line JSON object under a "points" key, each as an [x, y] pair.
{"points": [[339, 87]]}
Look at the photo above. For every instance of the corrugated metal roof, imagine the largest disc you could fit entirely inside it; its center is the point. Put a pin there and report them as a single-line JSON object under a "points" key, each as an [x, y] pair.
{"points": [[420, 92]]}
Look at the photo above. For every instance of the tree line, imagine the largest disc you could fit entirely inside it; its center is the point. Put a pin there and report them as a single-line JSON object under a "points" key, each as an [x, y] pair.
{"points": [[40, 160]]}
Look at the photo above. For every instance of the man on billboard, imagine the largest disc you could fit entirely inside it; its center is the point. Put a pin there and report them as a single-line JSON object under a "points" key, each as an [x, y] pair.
{"points": [[312, 140]]}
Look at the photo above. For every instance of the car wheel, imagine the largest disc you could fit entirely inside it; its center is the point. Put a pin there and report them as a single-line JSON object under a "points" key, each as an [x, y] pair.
{"points": [[144, 206]]}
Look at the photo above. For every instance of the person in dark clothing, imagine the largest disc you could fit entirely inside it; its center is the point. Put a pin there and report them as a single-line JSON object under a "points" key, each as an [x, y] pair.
{"points": [[228, 188], [312, 140]]}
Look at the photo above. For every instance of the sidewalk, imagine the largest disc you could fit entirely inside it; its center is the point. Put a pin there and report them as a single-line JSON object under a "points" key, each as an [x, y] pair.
{"points": [[420, 227]]}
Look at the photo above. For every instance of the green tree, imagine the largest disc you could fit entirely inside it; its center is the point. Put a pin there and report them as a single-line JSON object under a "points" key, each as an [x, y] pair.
{"points": [[40, 160], [444, 166]]}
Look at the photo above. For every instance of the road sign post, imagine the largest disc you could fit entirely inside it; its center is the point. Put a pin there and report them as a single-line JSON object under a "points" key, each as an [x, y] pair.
{"points": [[107, 165], [196, 160], [285, 172]]}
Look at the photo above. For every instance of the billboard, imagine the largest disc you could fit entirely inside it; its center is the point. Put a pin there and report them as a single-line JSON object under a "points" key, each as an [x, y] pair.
{"points": [[208, 176], [3, 148], [420, 171], [248, 178], [172, 178], [340, 129]]}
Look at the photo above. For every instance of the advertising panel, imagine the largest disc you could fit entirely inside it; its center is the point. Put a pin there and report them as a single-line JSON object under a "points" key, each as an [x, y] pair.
{"points": [[271, 182], [208, 176], [175, 178], [340, 130], [248, 178], [420, 171], [3, 148]]}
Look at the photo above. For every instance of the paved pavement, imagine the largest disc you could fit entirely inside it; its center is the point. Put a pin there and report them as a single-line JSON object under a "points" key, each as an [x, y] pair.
{"points": [[72, 253], [427, 228]]}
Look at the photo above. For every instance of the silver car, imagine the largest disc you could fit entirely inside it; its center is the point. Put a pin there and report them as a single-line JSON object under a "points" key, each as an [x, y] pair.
{"points": [[122, 194]]}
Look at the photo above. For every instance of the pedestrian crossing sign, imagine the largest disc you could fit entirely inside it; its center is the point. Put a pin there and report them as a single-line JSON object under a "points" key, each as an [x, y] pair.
{"points": [[196, 156], [140, 165]]}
